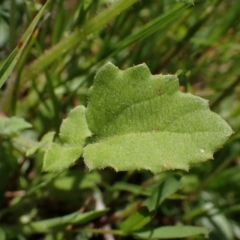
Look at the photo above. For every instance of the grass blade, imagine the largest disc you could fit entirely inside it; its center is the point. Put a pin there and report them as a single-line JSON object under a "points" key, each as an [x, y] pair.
{"points": [[76, 37], [13, 58]]}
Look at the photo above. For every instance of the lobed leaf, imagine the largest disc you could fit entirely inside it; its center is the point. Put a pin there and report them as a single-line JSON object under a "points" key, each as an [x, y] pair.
{"points": [[73, 133], [142, 121]]}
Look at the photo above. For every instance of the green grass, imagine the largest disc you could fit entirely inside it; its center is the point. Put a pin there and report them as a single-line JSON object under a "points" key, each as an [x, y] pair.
{"points": [[50, 71]]}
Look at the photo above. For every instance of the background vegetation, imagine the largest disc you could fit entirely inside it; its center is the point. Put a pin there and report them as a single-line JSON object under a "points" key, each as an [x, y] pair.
{"points": [[50, 70]]}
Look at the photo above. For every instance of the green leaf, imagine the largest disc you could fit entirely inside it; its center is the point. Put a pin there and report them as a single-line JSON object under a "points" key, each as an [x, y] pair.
{"points": [[73, 218], [166, 189], [44, 226], [136, 220], [58, 157], [172, 232], [73, 133], [131, 188], [141, 121], [74, 129], [12, 125], [46, 140]]}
